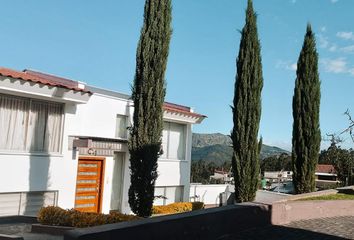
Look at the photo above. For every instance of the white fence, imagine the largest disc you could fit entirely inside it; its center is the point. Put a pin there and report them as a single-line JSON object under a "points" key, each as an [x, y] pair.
{"points": [[209, 194]]}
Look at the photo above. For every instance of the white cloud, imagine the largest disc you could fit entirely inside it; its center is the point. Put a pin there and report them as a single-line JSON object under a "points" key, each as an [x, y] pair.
{"points": [[347, 49], [293, 66], [323, 29], [338, 65], [287, 65], [332, 48], [346, 35], [334, 1], [323, 41], [351, 71], [293, 1]]}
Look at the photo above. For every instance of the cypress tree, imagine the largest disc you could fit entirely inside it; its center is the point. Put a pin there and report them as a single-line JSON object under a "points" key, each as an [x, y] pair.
{"points": [[148, 94], [247, 111], [306, 112]]}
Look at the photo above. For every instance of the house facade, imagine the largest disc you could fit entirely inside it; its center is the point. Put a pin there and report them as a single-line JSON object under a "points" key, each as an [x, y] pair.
{"points": [[65, 143], [326, 176]]}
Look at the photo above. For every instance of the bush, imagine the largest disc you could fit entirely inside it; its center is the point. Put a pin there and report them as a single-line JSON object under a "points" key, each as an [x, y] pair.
{"points": [[197, 205], [178, 207], [57, 216]]}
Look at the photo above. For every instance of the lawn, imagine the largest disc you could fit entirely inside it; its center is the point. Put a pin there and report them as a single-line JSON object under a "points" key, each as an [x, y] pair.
{"points": [[338, 196]]}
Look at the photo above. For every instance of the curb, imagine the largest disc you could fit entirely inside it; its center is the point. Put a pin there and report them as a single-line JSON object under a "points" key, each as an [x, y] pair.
{"points": [[52, 230], [7, 237]]}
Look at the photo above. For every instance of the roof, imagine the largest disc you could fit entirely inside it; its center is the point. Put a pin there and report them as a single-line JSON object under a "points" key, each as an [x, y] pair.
{"points": [[325, 168], [51, 80], [43, 78], [171, 107]]}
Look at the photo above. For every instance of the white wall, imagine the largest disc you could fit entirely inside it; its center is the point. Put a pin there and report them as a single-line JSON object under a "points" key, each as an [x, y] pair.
{"points": [[209, 194], [98, 117], [22, 172], [26, 172]]}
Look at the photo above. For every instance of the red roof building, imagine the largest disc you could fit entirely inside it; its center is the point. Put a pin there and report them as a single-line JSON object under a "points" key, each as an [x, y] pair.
{"points": [[325, 168], [43, 78]]}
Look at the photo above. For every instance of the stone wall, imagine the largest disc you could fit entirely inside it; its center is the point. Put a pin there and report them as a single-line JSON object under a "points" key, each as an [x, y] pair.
{"points": [[290, 211]]}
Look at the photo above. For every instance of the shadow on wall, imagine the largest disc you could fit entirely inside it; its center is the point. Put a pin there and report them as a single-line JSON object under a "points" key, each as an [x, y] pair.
{"points": [[44, 124], [117, 181]]}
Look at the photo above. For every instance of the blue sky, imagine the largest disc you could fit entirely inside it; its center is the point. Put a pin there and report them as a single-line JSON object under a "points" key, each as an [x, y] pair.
{"points": [[95, 42]]}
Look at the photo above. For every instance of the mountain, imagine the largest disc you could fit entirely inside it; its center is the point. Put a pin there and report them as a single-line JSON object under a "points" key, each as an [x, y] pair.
{"points": [[217, 148]]}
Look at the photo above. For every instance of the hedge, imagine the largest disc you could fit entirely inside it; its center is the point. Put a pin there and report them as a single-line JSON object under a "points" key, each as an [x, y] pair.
{"points": [[57, 216], [178, 207]]}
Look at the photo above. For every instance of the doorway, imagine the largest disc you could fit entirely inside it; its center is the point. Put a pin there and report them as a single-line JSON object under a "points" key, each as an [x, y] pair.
{"points": [[89, 186], [118, 182]]}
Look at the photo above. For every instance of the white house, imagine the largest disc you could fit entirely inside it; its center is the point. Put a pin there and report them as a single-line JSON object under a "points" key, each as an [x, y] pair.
{"points": [[65, 143]]}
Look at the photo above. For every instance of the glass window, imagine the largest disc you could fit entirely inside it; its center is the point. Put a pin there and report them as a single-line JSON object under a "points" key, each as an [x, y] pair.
{"points": [[173, 141], [121, 126], [30, 125]]}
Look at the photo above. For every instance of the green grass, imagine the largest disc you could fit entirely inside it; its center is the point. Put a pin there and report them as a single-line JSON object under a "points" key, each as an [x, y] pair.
{"points": [[338, 196]]}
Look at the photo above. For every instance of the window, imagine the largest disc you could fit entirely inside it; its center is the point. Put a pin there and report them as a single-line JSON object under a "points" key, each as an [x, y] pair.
{"points": [[121, 126], [167, 195], [30, 125], [173, 141]]}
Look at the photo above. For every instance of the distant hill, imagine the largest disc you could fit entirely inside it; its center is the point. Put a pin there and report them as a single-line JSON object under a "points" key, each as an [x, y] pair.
{"points": [[217, 148]]}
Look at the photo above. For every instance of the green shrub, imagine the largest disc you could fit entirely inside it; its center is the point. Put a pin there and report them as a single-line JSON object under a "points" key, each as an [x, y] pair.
{"points": [[178, 207], [57, 216], [197, 205]]}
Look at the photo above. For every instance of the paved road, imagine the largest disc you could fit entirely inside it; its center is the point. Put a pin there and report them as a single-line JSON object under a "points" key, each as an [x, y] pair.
{"points": [[324, 228]]}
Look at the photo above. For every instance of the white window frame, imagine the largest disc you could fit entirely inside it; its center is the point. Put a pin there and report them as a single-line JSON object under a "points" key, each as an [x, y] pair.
{"points": [[125, 128], [167, 153], [27, 142]]}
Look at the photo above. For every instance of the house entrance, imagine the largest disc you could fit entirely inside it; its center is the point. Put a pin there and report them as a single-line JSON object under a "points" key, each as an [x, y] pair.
{"points": [[89, 184]]}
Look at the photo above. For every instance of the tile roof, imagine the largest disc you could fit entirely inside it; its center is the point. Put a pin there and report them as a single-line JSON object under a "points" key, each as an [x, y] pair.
{"points": [[51, 80], [325, 168], [171, 107], [43, 78]]}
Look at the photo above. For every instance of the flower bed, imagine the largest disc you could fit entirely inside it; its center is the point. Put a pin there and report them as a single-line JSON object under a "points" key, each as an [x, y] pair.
{"points": [[178, 207], [56, 216]]}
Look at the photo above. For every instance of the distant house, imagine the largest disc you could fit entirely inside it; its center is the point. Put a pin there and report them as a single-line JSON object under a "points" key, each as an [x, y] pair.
{"points": [[65, 143], [326, 172], [276, 175], [222, 176], [326, 175]]}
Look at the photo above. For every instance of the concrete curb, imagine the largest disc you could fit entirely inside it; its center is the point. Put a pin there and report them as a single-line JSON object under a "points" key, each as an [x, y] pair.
{"points": [[17, 219], [8, 237], [307, 195], [52, 230], [292, 211]]}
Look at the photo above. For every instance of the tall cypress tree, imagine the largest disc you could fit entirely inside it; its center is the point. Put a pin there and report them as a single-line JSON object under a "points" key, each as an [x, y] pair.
{"points": [[148, 96], [306, 112], [247, 111]]}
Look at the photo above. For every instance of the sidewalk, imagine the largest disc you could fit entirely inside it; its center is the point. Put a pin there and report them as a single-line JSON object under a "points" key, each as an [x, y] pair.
{"points": [[323, 228]]}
